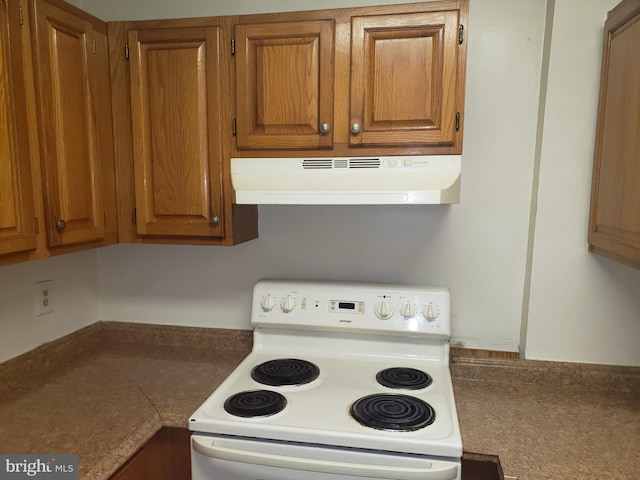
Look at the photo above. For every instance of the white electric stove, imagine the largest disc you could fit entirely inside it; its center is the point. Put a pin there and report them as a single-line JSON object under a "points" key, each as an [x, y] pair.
{"points": [[344, 381]]}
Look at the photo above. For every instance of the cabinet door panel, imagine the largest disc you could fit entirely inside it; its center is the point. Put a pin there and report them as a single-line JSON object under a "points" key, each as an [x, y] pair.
{"points": [[17, 230], [284, 74], [175, 84], [71, 161], [166, 456], [403, 85], [615, 209]]}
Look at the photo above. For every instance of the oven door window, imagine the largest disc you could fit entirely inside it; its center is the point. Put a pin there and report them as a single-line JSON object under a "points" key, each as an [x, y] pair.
{"points": [[224, 458]]}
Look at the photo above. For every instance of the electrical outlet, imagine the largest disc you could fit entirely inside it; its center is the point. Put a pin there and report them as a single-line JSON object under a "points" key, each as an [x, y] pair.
{"points": [[44, 297]]}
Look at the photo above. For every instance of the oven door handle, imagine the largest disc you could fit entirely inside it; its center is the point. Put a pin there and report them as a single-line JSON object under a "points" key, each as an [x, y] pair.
{"points": [[438, 470]]}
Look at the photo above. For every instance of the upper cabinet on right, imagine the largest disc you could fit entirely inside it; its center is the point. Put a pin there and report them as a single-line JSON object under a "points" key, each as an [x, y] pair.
{"points": [[358, 81], [614, 226], [403, 79]]}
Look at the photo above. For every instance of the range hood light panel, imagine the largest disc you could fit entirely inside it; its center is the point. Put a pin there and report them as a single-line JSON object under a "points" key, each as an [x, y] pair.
{"points": [[347, 180]]}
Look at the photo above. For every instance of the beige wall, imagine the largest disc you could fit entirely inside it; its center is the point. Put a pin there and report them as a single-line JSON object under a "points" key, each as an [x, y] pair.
{"points": [[144, 9], [75, 290], [581, 307]]}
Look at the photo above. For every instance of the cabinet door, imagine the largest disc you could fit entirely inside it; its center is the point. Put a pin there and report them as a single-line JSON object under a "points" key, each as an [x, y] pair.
{"points": [[284, 91], [66, 65], [17, 230], [614, 229], [175, 91], [166, 456], [403, 79]]}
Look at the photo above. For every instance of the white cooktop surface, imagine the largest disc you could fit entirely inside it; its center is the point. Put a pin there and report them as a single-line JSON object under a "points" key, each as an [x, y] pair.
{"points": [[318, 412]]}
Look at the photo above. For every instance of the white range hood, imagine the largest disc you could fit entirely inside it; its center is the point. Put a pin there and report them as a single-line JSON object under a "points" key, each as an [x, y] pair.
{"points": [[433, 179]]}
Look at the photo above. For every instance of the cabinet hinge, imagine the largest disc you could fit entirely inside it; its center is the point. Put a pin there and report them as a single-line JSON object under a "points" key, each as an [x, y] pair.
{"points": [[457, 121], [134, 216], [35, 223], [126, 51], [233, 127], [95, 49], [460, 34], [21, 15], [233, 46]]}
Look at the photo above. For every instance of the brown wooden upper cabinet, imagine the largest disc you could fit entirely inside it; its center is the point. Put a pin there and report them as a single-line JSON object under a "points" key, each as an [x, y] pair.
{"points": [[74, 114], [403, 79], [348, 79], [17, 226], [614, 227], [177, 140], [284, 84]]}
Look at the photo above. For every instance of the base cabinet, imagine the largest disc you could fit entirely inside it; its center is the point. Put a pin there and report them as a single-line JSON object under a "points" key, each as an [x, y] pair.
{"points": [[614, 227], [167, 456]]}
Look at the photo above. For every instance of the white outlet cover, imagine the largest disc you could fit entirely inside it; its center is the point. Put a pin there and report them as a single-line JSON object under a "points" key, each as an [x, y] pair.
{"points": [[44, 297]]}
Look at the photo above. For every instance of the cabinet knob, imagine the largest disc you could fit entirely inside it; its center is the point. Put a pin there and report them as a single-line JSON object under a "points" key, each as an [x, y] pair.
{"points": [[355, 127], [61, 225], [324, 127], [214, 220]]}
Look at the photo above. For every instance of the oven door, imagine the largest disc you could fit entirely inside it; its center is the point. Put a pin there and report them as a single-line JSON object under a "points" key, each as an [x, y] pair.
{"points": [[234, 458]]}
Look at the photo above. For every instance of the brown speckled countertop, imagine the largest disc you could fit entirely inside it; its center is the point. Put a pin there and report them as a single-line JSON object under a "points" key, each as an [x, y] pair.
{"points": [[550, 420], [104, 391]]}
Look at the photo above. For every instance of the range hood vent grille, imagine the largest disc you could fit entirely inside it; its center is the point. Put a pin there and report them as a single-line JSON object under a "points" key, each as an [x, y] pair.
{"points": [[317, 163], [364, 163], [330, 163], [347, 181]]}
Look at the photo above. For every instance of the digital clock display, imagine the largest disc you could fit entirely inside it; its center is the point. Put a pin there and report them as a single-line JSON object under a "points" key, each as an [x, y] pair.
{"points": [[347, 305], [344, 306]]}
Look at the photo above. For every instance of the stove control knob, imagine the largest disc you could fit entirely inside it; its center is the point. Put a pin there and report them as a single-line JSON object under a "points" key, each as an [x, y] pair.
{"points": [[267, 303], [288, 303], [383, 309], [430, 312], [407, 311]]}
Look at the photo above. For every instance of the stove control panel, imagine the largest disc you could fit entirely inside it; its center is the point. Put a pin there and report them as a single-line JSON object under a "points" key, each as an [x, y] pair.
{"points": [[357, 307]]}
